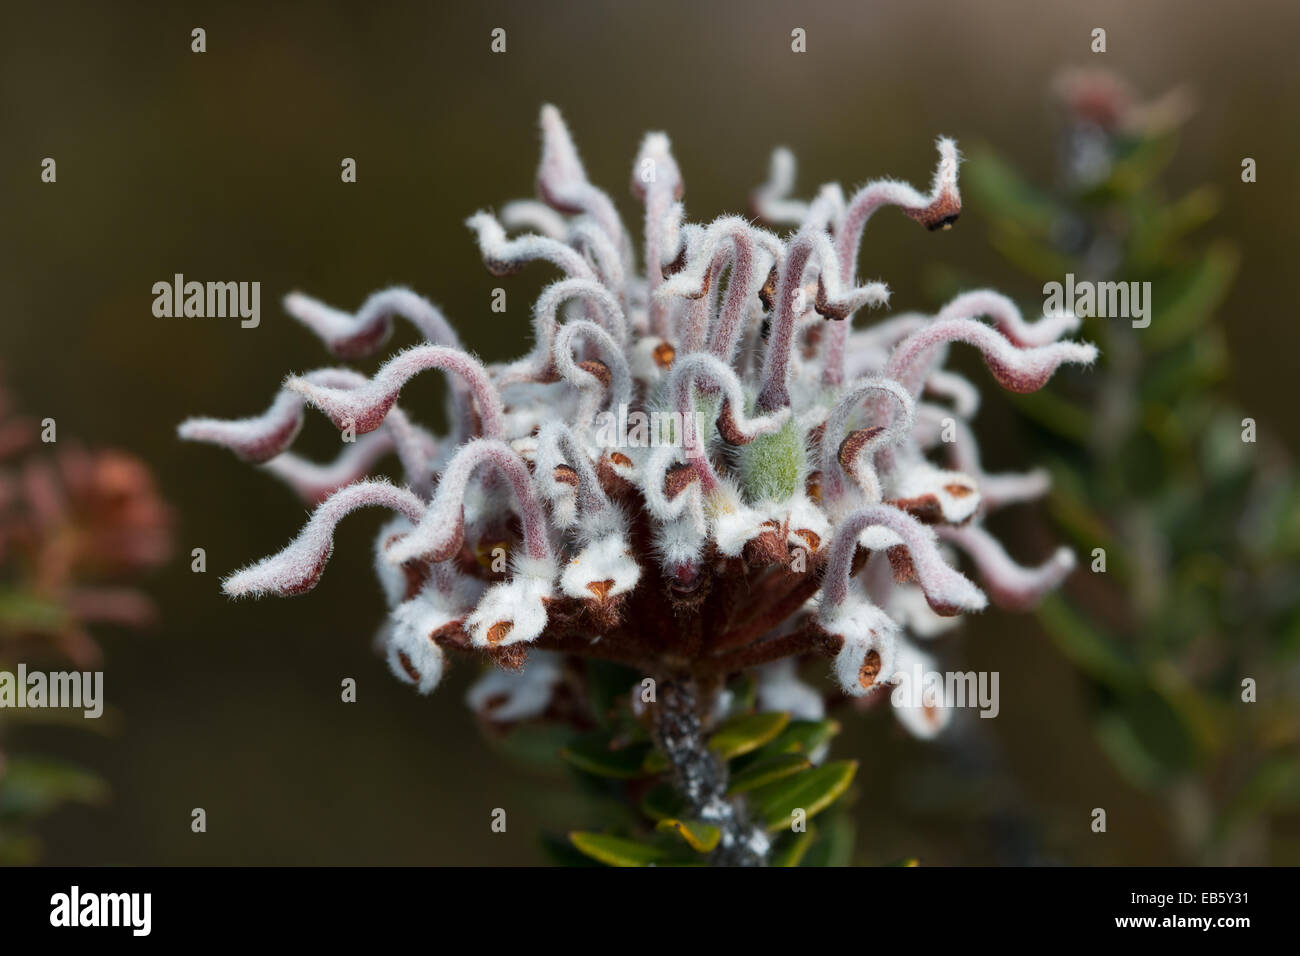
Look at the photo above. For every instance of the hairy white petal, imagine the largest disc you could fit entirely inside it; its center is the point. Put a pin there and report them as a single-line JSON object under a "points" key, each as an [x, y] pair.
{"points": [[918, 697], [508, 696], [779, 689]]}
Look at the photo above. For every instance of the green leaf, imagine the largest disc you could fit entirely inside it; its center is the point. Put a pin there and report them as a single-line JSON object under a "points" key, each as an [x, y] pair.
{"points": [[811, 791], [1190, 296], [1000, 187], [799, 736], [662, 802], [834, 844], [1056, 414], [655, 761], [35, 785], [700, 836], [534, 743], [619, 851], [608, 686], [1156, 236], [790, 848], [765, 771], [597, 753], [1274, 785], [1140, 161], [1029, 253], [1148, 738], [742, 735], [563, 853]]}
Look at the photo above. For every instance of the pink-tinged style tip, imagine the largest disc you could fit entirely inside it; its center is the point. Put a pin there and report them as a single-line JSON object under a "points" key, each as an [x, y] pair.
{"points": [[355, 335], [947, 590], [298, 567], [365, 406], [1010, 584]]}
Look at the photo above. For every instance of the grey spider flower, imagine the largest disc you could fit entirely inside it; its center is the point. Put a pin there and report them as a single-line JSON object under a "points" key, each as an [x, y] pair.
{"points": [[792, 495]]}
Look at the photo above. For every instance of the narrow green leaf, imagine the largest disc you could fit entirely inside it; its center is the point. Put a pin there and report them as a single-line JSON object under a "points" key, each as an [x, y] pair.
{"points": [[767, 770], [700, 836], [1056, 414], [662, 801], [791, 848], [596, 753], [619, 851], [799, 736], [607, 688], [834, 844], [811, 791], [1191, 295], [1007, 195], [561, 852], [655, 761], [742, 735]]}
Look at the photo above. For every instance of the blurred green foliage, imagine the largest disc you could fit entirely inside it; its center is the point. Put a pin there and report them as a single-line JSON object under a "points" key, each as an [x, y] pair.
{"points": [[1152, 463]]}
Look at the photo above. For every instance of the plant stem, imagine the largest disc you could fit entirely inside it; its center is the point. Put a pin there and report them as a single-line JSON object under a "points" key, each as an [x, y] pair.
{"points": [[701, 778]]}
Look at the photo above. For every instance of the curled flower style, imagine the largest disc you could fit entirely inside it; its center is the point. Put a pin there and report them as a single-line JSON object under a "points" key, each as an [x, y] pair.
{"points": [[696, 468]]}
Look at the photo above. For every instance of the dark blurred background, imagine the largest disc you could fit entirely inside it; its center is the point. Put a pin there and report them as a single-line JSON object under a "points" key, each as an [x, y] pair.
{"points": [[225, 166]]}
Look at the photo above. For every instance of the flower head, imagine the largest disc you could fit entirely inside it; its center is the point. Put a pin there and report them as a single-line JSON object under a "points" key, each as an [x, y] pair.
{"points": [[790, 493]]}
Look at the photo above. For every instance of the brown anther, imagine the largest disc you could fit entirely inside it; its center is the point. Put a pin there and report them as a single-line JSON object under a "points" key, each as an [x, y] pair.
{"points": [[853, 444], [728, 429], [601, 588], [870, 670], [598, 370], [407, 666], [452, 634], [677, 265], [502, 267], [813, 487], [620, 459], [958, 491], [926, 509], [566, 475], [810, 537], [664, 354], [940, 214], [498, 632], [825, 308]]}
